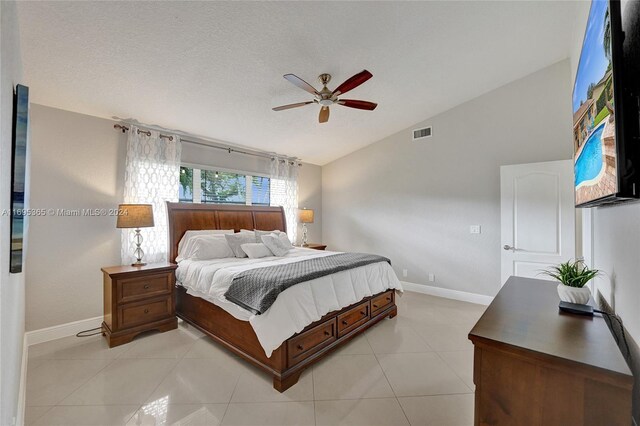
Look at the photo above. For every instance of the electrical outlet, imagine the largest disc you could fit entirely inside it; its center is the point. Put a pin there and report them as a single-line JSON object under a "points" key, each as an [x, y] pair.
{"points": [[475, 229], [405, 273], [432, 277]]}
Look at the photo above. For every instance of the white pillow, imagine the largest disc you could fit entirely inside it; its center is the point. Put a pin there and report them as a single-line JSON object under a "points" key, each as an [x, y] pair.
{"points": [[256, 250], [235, 241], [190, 234], [208, 247], [277, 247], [285, 240], [282, 235], [187, 249]]}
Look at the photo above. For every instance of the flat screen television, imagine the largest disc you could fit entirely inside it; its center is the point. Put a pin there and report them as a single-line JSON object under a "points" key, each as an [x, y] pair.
{"points": [[606, 110]]}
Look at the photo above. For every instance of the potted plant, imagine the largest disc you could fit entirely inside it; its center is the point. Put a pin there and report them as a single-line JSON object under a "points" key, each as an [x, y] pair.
{"points": [[573, 275]]}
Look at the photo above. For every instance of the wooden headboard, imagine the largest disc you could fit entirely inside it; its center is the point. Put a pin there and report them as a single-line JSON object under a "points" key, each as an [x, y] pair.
{"points": [[190, 216]]}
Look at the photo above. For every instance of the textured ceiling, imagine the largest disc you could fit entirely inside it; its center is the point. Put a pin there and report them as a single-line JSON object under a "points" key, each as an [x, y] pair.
{"points": [[215, 68]]}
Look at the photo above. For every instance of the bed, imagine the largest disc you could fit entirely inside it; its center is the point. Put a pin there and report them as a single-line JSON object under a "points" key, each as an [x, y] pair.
{"points": [[305, 345]]}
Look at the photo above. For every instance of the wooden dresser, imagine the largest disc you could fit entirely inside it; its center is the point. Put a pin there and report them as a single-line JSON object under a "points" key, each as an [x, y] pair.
{"points": [[138, 299], [536, 366]]}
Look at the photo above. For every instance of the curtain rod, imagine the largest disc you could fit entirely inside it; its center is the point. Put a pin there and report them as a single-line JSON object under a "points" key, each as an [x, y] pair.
{"points": [[210, 145]]}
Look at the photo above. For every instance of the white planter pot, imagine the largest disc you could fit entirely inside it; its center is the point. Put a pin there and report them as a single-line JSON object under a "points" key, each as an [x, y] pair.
{"points": [[574, 294]]}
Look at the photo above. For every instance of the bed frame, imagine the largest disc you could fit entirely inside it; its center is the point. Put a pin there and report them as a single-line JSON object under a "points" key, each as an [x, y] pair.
{"points": [[299, 351]]}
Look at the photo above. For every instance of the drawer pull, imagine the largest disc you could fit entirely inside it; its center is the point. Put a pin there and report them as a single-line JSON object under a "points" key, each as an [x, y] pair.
{"points": [[326, 333], [388, 299], [146, 311], [375, 306], [300, 347], [146, 286], [363, 313], [344, 323]]}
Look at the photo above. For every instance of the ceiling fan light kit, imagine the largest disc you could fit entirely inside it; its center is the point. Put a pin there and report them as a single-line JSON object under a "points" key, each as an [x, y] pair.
{"points": [[325, 97]]}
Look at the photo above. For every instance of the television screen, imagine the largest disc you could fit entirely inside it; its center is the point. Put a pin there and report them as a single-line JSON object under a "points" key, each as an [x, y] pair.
{"points": [[594, 133], [20, 126]]}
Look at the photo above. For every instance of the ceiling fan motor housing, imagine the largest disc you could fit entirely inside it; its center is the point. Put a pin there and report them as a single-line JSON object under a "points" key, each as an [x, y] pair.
{"points": [[324, 78]]}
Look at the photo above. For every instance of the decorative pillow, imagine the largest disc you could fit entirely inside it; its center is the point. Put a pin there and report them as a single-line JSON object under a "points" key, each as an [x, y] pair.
{"points": [[259, 233], [285, 240], [282, 235], [256, 250], [188, 235], [277, 247], [207, 247], [236, 240]]}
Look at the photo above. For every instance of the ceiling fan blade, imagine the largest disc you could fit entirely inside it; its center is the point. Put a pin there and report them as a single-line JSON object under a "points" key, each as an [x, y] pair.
{"points": [[353, 82], [300, 83], [324, 114], [353, 103], [289, 106]]}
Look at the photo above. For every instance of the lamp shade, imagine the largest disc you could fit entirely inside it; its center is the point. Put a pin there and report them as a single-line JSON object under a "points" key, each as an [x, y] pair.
{"points": [[135, 216], [305, 216]]}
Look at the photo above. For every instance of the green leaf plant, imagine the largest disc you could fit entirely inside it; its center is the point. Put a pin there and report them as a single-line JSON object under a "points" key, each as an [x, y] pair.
{"points": [[572, 273]]}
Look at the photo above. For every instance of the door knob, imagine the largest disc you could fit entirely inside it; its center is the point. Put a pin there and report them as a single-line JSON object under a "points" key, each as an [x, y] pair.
{"points": [[508, 247]]}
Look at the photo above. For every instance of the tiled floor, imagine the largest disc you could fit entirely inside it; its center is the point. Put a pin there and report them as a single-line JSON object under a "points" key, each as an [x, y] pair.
{"points": [[414, 369]]}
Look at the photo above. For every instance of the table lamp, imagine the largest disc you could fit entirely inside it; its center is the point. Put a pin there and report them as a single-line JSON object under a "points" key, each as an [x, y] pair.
{"points": [[305, 216], [136, 216]]}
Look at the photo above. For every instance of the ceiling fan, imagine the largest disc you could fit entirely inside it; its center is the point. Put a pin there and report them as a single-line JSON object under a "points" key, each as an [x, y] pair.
{"points": [[325, 97]]}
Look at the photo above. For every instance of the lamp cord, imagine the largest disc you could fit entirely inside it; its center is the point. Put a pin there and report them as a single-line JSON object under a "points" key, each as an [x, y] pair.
{"points": [[609, 316], [87, 333]]}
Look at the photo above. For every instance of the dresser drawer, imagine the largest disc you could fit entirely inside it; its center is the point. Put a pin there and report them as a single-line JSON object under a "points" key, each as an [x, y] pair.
{"points": [[353, 318], [143, 287], [381, 302], [309, 342], [133, 314]]}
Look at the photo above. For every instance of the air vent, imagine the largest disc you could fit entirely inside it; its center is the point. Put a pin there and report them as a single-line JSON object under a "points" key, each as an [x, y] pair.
{"points": [[423, 133]]}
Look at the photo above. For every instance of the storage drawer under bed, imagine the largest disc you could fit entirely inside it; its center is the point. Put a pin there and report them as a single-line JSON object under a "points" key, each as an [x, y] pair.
{"points": [[381, 302], [309, 342]]}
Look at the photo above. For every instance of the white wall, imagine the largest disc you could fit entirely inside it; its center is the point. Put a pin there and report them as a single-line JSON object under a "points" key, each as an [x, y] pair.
{"points": [[78, 162], [11, 285], [310, 197], [414, 201]]}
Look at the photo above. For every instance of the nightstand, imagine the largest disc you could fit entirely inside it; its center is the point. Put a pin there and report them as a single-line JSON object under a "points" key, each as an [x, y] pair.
{"points": [[316, 246], [138, 299]]}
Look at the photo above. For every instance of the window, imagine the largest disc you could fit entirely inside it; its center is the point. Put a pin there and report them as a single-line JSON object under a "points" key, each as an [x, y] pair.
{"points": [[223, 188], [260, 191], [214, 186], [185, 191]]}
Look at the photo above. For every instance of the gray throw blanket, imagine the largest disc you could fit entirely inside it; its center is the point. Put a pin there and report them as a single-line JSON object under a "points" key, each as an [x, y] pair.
{"points": [[256, 289]]}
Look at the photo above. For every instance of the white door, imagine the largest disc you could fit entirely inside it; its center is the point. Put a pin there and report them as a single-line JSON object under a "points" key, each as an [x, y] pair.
{"points": [[537, 217]]}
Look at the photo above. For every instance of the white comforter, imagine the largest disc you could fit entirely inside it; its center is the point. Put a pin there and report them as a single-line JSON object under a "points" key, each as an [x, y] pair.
{"points": [[296, 307]]}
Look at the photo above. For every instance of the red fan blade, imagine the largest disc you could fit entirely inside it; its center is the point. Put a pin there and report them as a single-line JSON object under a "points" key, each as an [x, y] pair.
{"points": [[353, 82], [324, 114], [352, 103], [299, 104], [300, 83]]}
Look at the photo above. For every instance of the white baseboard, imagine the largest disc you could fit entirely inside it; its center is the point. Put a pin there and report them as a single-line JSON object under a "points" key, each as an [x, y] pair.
{"points": [[22, 392], [463, 296], [59, 331]]}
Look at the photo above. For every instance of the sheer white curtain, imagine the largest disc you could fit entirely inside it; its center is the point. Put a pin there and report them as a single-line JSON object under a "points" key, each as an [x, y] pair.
{"points": [[152, 176], [284, 192]]}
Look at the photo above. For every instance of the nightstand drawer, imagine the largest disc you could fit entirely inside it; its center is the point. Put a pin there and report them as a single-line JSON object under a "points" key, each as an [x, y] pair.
{"points": [[143, 312], [143, 287]]}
